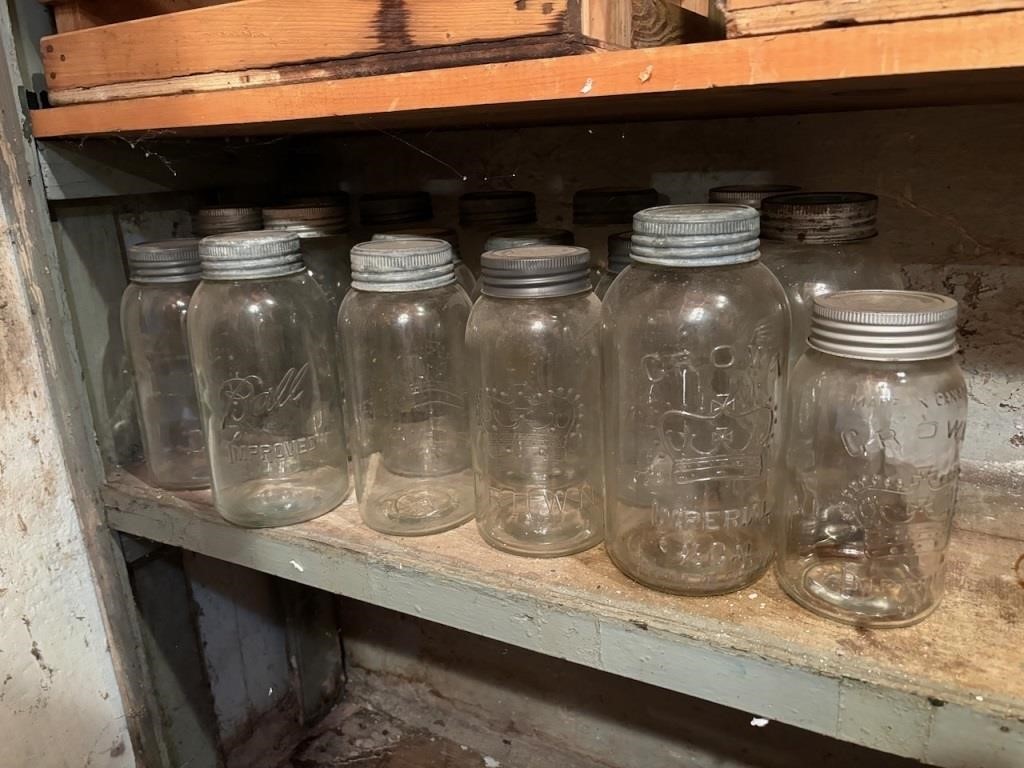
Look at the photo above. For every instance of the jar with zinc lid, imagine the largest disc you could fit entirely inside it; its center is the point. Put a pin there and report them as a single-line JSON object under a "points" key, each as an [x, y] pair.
{"points": [[534, 347], [748, 194], [221, 220], [817, 243], [601, 212], [402, 328], [618, 260], [517, 238], [695, 339], [876, 420], [481, 213], [154, 306], [463, 274], [258, 329]]}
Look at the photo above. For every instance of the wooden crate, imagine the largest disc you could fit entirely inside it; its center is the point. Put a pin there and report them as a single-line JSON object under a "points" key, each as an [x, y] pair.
{"points": [[216, 45], [745, 18]]}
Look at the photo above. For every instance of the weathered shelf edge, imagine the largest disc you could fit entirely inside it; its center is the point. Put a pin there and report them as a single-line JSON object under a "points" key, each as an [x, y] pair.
{"points": [[945, 733], [962, 58]]}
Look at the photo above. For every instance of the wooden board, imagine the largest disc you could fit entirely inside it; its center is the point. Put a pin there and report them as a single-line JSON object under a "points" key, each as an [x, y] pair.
{"points": [[767, 17], [904, 64], [69, 15], [948, 687]]}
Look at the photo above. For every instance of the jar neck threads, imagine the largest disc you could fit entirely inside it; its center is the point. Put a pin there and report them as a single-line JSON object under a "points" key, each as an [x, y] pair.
{"points": [[250, 256], [535, 272], [397, 266], [704, 235], [748, 194], [165, 261], [820, 217]]}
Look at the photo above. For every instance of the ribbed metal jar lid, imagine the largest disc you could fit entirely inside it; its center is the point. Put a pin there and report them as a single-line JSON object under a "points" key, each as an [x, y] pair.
{"points": [[431, 233], [517, 238], [897, 326], [535, 272], [250, 255], [488, 209], [165, 261], [618, 251], [748, 194], [396, 266], [702, 235], [820, 217], [390, 208], [306, 220], [610, 205], [224, 220]]}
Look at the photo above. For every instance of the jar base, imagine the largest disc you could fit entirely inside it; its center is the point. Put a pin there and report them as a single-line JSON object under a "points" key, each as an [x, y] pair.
{"points": [[419, 507], [538, 547], [262, 504]]}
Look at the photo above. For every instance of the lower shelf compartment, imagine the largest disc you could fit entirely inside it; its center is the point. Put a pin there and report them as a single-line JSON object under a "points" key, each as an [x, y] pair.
{"points": [[949, 691]]}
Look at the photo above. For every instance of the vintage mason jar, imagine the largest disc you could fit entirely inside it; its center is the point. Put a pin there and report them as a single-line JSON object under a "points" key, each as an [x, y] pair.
{"points": [[402, 328], [601, 212], [153, 309], [748, 194], [385, 211], [618, 260], [324, 239], [258, 329], [695, 339], [820, 242], [222, 220], [876, 419], [463, 274], [534, 347], [481, 213]]}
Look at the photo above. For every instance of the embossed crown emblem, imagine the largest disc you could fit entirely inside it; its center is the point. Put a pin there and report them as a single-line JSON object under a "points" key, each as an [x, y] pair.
{"points": [[521, 420]]}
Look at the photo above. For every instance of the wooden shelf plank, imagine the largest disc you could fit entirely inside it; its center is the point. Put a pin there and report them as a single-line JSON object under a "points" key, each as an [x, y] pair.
{"points": [[938, 61], [949, 691]]}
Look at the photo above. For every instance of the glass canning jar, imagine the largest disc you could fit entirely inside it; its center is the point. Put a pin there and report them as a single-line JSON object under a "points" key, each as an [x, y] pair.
{"points": [[601, 212], [402, 329], [153, 309], [817, 243], [463, 274], [748, 194], [876, 419], [324, 243], [258, 329], [385, 211], [695, 339], [533, 343], [618, 260], [223, 220], [480, 213]]}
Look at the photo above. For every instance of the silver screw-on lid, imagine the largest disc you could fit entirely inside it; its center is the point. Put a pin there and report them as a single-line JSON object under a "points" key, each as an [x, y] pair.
{"points": [[535, 272], [395, 266], [489, 209], [897, 326], [224, 220], [610, 205], [431, 233], [702, 235], [820, 217], [748, 194], [517, 238], [618, 251], [395, 208], [164, 261], [306, 220], [250, 255]]}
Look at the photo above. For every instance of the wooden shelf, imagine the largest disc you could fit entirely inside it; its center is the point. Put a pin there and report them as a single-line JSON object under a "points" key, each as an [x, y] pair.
{"points": [[969, 59], [949, 691]]}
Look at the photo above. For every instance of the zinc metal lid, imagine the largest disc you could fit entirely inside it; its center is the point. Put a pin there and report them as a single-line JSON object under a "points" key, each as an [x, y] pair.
{"points": [[517, 238], [535, 271], [748, 194], [307, 220], [386, 208], [820, 217], [610, 205], [498, 207], [884, 325], [700, 235], [221, 220], [450, 236], [250, 255], [165, 261], [394, 266], [618, 251]]}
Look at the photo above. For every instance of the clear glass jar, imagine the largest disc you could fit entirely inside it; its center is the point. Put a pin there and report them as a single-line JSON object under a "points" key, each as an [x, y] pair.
{"points": [[463, 274], [224, 220], [599, 213], [258, 328], [480, 213], [386, 211], [618, 260], [817, 243], [325, 242], [153, 309], [517, 238], [533, 342], [402, 329], [695, 339], [748, 194], [875, 423]]}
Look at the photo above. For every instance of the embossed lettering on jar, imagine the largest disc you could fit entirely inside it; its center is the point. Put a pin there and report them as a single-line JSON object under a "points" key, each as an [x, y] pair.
{"points": [[533, 339], [695, 337], [258, 328], [876, 421], [403, 330]]}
